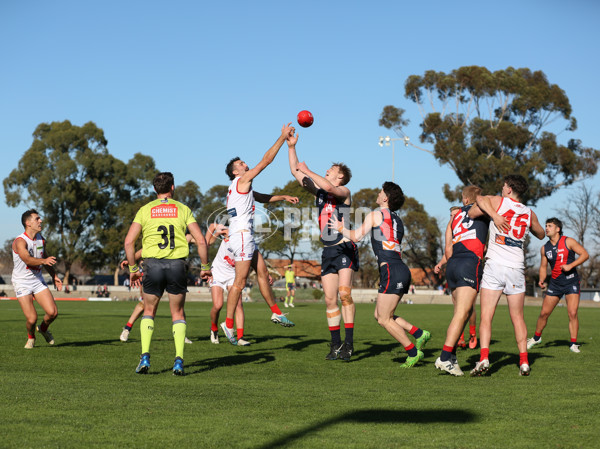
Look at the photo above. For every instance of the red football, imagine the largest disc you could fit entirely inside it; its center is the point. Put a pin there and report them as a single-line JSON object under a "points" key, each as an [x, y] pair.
{"points": [[305, 119]]}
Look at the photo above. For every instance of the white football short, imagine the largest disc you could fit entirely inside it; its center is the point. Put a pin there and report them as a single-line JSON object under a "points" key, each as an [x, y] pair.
{"points": [[29, 286], [499, 277], [222, 276], [242, 244]]}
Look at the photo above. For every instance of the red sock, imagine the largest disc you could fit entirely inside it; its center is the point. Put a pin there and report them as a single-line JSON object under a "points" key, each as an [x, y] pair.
{"points": [[538, 334], [240, 332], [413, 330], [213, 327], [43, 326], [462, 337], [472, 329], [447, 348], [30, 336], [229, 323], [409, 347], [523, 358], [129, 325], [573, 340], [275, 309], [485, 354], [349, 325]]}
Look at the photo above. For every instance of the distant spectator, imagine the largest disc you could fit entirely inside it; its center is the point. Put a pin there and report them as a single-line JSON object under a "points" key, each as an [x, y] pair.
{"points": [[2, 294], [127, 284]]}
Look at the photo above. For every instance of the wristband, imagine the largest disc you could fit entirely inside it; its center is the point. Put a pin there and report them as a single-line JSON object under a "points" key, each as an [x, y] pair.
{"points": [[134, 269], [205, 267]]}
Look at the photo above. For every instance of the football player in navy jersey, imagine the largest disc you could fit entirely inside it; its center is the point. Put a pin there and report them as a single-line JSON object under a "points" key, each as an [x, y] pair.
{"points": [[559, 252], [465, 243], [340, 255], [387, 231]]}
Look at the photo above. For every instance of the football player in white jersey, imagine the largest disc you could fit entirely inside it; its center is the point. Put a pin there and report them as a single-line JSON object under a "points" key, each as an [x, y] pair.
{"points": [[240, 208], [223, 275], [29, 255], [504, 270]]}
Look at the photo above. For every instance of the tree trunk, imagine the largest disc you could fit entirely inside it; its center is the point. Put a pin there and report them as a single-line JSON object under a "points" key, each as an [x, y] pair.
{"points": [[116, 279]]}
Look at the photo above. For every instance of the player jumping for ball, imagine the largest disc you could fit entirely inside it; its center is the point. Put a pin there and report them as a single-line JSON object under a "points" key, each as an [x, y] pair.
{"points": [[559, 252], [240, 208], [340, 255]]}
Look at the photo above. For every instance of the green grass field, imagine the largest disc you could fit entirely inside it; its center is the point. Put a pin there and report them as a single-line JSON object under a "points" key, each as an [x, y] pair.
{"points": [[280, 392]]}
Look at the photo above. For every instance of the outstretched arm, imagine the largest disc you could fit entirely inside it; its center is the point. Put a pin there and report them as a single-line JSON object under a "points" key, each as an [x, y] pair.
{"points": [[339, 192], [304, 180], [246, 179], [372, 219], [265, 198]]}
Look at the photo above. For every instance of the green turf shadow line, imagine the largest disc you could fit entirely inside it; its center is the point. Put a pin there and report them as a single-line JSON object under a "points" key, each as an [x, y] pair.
{"points": [[379, 416]]}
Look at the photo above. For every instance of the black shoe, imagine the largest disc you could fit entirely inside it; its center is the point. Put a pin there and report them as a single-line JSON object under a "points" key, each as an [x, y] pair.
{"points": [[346, 351], [334, 351]]}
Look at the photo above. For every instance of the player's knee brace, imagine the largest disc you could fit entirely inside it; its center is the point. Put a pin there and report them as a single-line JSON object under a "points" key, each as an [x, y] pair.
{"points": [[334, 317], [346, 296]]}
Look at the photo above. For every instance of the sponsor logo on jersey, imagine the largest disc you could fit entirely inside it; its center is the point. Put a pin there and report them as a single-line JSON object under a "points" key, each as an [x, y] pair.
{"points": [[570, 276], [471, 281], [574, 288], [468, 235], [344, 260], [399, 285], [390, 246], [164, 211], [232, 212], [549, 255]]}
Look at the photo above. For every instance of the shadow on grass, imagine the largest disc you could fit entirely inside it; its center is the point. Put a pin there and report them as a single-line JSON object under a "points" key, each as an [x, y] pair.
{"points": [[556, 343], [114, 341], [232, 360], [500, 359], [374, 349], [378, 416]]}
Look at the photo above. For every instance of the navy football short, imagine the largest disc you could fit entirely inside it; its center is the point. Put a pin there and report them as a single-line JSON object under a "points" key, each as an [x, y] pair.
{"points": [[165, 274], [337, 257], [464, 271], [394, 278], [566, 287]]}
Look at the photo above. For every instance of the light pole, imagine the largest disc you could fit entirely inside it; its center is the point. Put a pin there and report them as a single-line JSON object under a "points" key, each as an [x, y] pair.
{"points": [[386, 141]]}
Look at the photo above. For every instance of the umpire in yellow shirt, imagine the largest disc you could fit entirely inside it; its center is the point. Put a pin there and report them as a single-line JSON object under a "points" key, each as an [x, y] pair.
{"points": [[162, 223]]}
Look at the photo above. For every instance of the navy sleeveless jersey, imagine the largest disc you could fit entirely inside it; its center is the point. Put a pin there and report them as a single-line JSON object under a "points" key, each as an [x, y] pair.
{"points": [[468, 235], [559, 255], [328, 204], [387, 238]]}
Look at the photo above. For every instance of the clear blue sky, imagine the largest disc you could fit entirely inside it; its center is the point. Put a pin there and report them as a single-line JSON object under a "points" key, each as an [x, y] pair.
{"points": [[193, 84]]}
